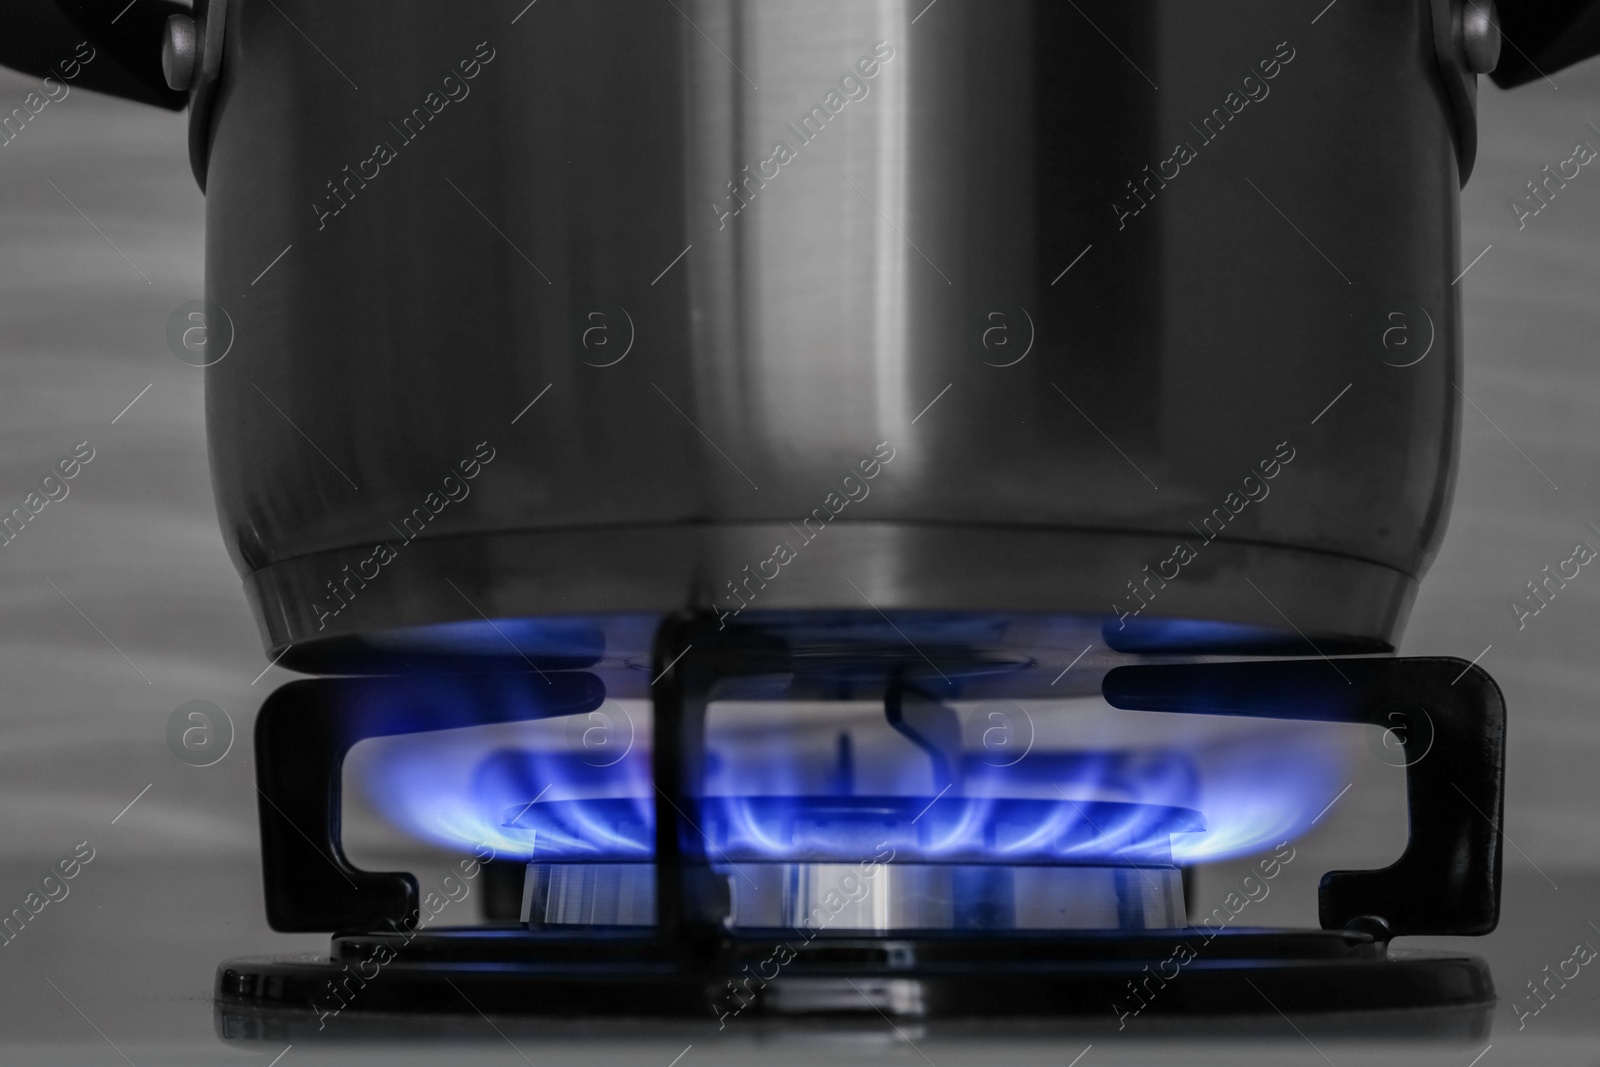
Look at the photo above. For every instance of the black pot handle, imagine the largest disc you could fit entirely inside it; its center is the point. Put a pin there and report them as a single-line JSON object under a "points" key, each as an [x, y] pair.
{"points": [[1543, 36], [1450, 717], [303, 732], [110, 46]]}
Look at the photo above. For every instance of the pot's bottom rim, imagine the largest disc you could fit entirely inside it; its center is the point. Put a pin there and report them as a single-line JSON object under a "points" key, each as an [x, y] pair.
{"points": [[574, 598]]}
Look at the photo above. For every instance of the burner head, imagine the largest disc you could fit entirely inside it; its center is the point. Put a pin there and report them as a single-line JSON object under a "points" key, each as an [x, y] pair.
{"points": [[931, 863], [947, 829], [871, 898]]}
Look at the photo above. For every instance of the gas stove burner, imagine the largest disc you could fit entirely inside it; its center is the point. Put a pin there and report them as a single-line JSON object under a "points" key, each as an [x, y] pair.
{"points": [[678, 901], [932, 829]]}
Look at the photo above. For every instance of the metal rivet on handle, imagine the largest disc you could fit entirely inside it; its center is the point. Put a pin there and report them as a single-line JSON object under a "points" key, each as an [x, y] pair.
{"points": [[180, 52], [1480, 36]]}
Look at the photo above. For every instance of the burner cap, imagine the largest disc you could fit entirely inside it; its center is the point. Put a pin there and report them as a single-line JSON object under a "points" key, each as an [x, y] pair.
{"points": [[899, 829]]}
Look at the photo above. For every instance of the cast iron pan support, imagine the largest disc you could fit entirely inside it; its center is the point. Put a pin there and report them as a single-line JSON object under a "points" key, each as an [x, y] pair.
{"points": [[692, 653], [1451, 719], [1449, 715], [302, 735]]}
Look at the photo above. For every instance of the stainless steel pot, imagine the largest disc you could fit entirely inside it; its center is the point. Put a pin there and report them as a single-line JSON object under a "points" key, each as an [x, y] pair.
{"points": [[1139, 313]]}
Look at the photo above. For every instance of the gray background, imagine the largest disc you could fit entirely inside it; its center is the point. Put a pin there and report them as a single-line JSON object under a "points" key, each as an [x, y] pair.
{"points": [[174, 887]]}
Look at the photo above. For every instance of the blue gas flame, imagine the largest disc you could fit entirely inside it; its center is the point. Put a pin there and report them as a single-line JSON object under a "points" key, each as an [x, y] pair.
{"points": [[576, 793]]}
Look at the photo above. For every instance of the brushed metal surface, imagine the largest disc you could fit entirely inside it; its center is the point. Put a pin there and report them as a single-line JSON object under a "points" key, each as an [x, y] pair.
{"points": [[861, 295], [834, 896]]}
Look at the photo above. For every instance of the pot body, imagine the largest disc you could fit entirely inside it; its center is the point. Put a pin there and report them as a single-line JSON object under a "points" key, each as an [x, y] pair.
{"points": [[1125, 311]]}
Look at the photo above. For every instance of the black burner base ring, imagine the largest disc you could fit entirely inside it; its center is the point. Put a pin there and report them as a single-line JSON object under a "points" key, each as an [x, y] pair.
{"points": [[1111, 982]]}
